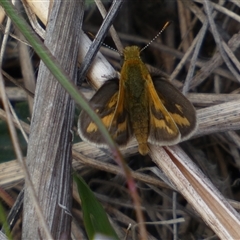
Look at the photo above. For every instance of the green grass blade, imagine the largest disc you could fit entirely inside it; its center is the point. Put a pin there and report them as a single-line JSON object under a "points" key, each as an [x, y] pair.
{"points": [[95, 217], [4, 223]]}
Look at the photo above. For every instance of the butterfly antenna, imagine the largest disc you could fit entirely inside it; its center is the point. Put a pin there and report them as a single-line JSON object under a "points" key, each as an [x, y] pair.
{"points": [[102, 43], [107, 46], [164, 27]]}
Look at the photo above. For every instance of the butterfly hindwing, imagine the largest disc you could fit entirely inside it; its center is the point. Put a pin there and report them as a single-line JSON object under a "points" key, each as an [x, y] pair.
{"points": [[177, 105], [121, 129]]}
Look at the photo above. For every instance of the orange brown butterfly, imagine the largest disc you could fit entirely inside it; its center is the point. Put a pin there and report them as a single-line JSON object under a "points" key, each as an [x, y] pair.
{"points": [[147, 107]]}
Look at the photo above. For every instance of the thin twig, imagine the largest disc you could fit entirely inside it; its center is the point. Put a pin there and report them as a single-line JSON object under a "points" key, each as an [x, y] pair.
{"points": [[116, 5], [192, 66], [218, 40], [112, 30]]}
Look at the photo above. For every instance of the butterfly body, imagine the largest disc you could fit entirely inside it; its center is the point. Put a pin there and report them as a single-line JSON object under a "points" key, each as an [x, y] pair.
{"points": [[149, 109], [134, 86]]}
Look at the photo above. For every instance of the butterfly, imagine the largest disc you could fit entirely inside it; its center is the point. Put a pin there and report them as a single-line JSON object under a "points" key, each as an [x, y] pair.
{"points": [[147, 107]]}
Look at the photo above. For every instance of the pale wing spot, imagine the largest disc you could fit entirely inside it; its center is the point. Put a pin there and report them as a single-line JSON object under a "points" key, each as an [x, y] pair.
{"points": [[107, 120], [180, 120], [92, 127], [113, 101], [122, 126], [179, 108], [162, 124]]}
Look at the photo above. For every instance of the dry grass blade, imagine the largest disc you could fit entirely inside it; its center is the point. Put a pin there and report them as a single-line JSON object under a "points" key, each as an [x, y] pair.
{"points": [[15, 140], [215, 62], [50, 148], [199, 191], [213, 119], [192, 66], [219, 41]]}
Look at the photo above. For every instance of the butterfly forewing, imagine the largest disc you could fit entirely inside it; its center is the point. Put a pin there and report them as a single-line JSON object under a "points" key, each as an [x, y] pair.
{"points": [[162, 129], [177, 105], [105, 102]]}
